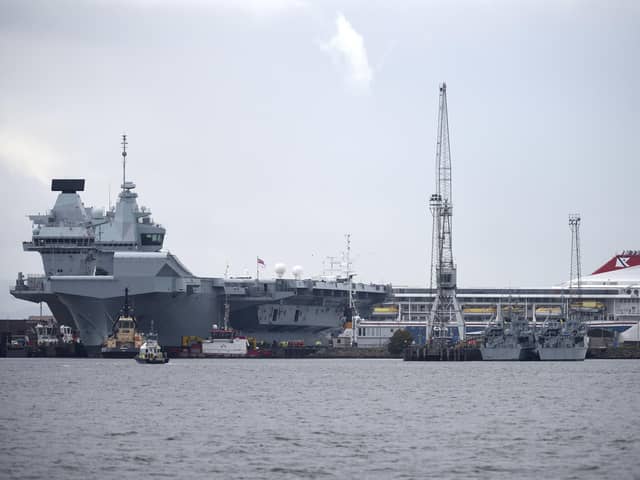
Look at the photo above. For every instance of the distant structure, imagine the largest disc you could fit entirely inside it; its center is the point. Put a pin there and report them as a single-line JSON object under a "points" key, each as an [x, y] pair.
{"points": [[280, 269], [352, 314], [445, 308], [574, 225], [124, 144]]}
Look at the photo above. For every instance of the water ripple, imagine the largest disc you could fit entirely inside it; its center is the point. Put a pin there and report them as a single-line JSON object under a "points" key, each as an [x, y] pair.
{"points": [[284, 419]]}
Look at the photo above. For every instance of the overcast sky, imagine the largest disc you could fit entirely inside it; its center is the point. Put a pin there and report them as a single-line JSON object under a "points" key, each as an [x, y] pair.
{"points": [[272, 128]]}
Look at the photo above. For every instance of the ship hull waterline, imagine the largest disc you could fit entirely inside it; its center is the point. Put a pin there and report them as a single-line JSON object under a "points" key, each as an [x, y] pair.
{"points": [[514, 354], [575, 354]]}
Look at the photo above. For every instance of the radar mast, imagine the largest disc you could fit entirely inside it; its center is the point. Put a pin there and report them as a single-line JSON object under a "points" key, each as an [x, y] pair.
{"points": [[124, 160]]}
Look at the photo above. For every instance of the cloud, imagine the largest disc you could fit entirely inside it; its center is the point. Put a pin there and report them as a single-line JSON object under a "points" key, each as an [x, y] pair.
{"points": [[27, 157], [254, 7], [347, 46]]}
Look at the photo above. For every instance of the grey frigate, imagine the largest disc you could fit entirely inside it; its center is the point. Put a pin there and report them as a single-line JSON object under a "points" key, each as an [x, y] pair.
{"points": [[91, 256]]}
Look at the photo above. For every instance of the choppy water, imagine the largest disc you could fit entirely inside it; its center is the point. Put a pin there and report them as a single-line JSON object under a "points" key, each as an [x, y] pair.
{"points": [[93, 418]]}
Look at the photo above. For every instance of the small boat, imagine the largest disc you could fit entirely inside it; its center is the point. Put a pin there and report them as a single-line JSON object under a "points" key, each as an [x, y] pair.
{"points": [[151, 352], [46, 339], [224, 343]]}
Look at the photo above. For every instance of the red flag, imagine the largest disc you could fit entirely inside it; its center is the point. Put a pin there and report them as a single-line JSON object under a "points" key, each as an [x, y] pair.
{"points": [[260, 261]]}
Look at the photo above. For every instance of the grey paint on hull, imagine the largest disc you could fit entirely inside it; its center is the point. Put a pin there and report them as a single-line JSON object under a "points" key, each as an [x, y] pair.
{"points": [[60, 312], [173, 315]]}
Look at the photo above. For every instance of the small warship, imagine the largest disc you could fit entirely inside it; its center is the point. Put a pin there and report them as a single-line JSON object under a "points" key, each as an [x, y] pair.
{"points": [[508, 338], [563, 340]]}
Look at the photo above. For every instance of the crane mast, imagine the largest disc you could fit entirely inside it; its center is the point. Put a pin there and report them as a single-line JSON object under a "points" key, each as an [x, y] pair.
{"points": [[445, 309]]}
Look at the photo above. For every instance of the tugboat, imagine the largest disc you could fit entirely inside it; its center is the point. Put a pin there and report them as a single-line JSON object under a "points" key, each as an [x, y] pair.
{"points": [[69, 345], [124, 341], [150, 351], [47, 339]]}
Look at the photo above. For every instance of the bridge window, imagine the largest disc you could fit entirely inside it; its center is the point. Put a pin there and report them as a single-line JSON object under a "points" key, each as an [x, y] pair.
{"points": [[151, 238]]}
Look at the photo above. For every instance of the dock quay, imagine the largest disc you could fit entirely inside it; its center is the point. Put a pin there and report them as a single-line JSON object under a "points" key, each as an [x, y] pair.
{"points": [[625, 352], [308, 351], [422, 353], [436, 353]]}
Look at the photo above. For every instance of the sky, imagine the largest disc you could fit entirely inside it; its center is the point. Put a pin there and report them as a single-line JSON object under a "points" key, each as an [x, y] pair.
{"points": [[273, 128]]}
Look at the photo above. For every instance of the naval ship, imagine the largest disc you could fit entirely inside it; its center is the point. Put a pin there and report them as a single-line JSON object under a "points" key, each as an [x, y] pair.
{"points": [[508, 339], [91, 256], [563, 340]]}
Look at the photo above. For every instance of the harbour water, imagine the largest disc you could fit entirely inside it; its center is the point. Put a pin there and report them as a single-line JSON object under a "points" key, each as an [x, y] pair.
{"points": [[99, 418]]}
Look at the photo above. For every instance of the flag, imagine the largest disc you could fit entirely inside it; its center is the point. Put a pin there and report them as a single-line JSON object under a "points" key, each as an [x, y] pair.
{"points": [[260, 261]]}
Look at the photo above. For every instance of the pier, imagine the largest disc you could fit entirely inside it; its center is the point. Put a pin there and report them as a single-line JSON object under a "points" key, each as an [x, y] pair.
{"points": [[436, 353]]}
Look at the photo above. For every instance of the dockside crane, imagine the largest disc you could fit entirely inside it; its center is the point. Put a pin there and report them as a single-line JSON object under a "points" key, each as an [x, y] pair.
{"points": [[445, 309]]}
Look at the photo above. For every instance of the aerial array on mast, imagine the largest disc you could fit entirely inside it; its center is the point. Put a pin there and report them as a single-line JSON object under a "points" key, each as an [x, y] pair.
{"points": [[124, 159]]}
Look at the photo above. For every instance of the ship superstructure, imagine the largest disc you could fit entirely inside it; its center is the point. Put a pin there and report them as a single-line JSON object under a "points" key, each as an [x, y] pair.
{"points": [[64, 236], [76, 240]]}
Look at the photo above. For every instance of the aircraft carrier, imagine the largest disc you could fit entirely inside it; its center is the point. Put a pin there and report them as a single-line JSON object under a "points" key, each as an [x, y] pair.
{"points": [[90, 256]]}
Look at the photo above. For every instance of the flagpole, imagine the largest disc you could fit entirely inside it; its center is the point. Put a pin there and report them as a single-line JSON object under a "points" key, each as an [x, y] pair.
{"points": [[257, 269]]}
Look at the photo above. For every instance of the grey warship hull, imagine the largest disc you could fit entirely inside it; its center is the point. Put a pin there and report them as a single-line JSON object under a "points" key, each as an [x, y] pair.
{"points": [[177, 306], [574, 354], [160, 290], [183, 305], [172, 316], [508, 353], [90, 257], [563, 340]]}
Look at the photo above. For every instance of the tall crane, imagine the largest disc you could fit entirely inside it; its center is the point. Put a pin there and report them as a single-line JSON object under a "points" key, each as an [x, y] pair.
{"points": [[445, 308]]}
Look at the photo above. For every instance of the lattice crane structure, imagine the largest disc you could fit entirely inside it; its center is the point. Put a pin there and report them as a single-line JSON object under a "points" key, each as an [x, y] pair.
{"points": [[445, 309]]}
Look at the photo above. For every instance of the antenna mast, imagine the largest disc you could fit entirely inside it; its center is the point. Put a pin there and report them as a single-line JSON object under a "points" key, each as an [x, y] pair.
{"points": [[352, 312], [445, 307], [124, 159]]}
